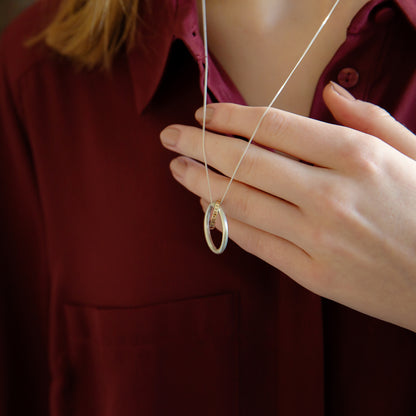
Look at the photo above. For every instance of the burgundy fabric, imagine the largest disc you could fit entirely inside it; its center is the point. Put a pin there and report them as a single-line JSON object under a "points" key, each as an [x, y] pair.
{"points": [[111, 303]]}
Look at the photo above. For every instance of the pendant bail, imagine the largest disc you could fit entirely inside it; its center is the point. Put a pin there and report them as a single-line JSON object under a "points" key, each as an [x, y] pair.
{"points": [[213, 211]]}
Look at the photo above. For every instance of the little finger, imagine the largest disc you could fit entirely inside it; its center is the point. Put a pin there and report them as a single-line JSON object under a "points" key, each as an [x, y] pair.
{"points": [[277, 251]]}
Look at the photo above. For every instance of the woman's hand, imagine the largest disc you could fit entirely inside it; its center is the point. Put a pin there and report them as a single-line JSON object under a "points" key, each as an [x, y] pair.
{"points": [[343, 224]]}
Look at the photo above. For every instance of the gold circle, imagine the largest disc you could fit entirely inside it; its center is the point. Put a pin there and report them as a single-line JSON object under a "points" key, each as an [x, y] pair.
{"points": [[207, 229], [214, 214]]}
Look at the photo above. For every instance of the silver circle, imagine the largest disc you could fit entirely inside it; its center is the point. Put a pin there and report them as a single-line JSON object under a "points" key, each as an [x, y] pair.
{"points": [[207, 231]]}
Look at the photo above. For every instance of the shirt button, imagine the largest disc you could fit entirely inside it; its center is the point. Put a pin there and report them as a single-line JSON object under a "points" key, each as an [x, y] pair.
{"points": [[348, 77], [384, 15]]}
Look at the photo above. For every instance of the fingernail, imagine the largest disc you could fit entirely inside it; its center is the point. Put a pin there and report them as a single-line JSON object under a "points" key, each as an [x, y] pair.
{"points": [[170, 136], [199, 115], [178, 167], [342, 91]]}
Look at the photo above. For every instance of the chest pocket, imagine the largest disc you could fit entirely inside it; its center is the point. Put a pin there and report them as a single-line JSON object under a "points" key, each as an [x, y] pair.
{"points": [[178, 358]]}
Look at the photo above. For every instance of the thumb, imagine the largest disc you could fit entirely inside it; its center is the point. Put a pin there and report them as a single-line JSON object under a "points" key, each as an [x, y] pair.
{"points": [[368, 118]]}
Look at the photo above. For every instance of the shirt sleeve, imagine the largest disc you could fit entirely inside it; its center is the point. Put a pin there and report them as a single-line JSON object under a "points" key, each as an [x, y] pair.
{"points": [[23, 262]]}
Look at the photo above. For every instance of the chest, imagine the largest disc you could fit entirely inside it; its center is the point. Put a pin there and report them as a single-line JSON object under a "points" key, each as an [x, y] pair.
{"points": [[259, 55]]}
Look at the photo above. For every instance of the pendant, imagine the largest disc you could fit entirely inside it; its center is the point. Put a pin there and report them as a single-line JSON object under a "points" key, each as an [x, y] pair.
{"points": [[214, 210]]}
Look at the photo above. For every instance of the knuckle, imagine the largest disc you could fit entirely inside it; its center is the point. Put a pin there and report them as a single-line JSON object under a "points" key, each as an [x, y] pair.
{"points": [[367, 165], [249, 165], [322, 192], [362, 156], [374, 111], [274, 125], [371, 116], [243, 207], [246, 204], [192, 176], [227, 116], [337, 207], [350, 148], [332, 201], [190, 181]]}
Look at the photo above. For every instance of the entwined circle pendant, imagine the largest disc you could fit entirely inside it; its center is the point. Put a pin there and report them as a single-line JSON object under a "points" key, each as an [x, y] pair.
{"points": [[213, 211], [214, 208]]}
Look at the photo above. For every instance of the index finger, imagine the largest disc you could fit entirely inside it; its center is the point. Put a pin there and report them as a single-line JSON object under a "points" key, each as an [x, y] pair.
{"points": [[312, 141]]}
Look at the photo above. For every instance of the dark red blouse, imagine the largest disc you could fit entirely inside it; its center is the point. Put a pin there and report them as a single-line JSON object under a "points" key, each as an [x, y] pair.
{"points": [[111, 303]]}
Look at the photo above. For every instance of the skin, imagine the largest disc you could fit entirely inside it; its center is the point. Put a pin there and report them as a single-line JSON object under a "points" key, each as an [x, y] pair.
{"points": [[242, 34], [341, 225]]}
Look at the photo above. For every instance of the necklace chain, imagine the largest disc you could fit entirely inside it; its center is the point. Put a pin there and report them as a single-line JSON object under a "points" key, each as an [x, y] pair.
{"points": [[205, 99]]}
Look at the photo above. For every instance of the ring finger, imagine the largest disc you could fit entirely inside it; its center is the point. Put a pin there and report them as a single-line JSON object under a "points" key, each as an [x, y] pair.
{"points": [[244, 203]]}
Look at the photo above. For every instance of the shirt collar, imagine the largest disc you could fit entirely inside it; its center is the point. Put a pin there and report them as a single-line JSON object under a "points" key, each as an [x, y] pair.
{"points": [[171, 20], [148, 58]]}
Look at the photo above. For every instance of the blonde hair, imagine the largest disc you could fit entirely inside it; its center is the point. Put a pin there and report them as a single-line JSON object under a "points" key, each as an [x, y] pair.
{"points": [[91, 32]]}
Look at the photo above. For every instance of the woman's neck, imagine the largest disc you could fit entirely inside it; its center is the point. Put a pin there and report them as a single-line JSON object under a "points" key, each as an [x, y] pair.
{"points": [[264, 15], [258, 42]]}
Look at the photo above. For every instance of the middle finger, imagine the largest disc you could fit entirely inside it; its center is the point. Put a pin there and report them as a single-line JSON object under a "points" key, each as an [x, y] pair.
{"points": [[263, 169]]}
